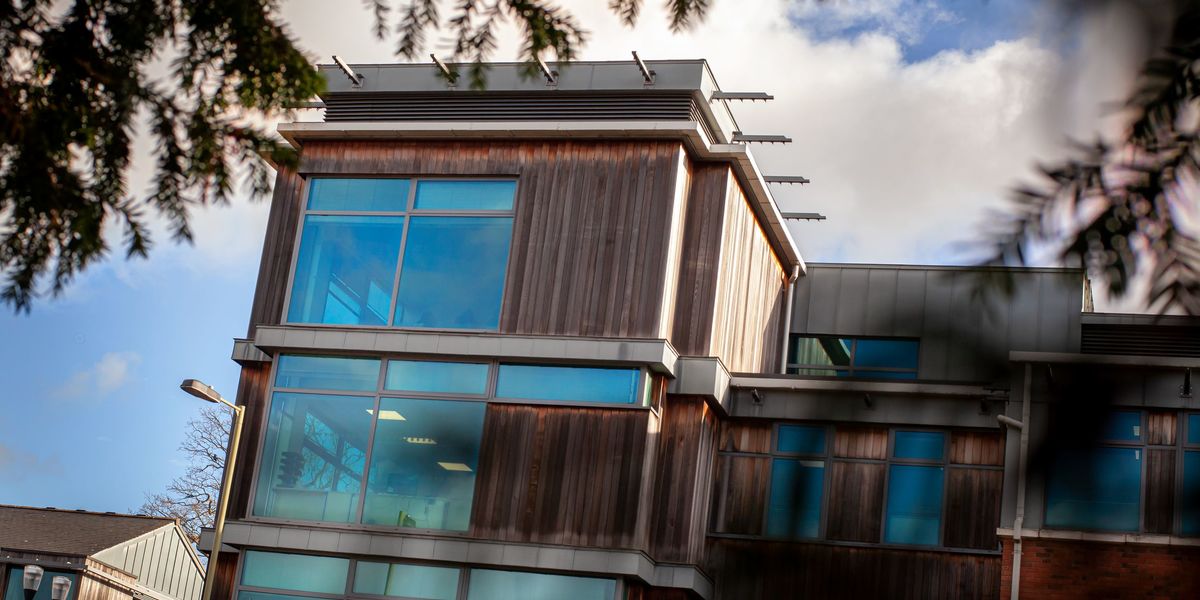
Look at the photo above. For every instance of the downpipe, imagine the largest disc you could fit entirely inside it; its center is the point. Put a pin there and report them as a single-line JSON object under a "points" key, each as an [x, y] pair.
{"points": [[1019, 518], [787, 318]]}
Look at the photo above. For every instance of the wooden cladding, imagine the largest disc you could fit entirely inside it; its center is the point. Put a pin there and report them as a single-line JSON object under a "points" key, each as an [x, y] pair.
{"points": [[683, 480], [557, 475], [860, 442], [742, 485], [1160, 490], [1160, 428], [746, 436], [976, 448], [972, 507], [744, 569], [856, 506], [287, 204], [253, 393]]}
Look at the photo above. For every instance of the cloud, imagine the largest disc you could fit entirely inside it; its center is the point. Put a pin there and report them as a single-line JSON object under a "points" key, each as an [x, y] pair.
{"points": [[904, 20], [108, 374], [18, 463]]}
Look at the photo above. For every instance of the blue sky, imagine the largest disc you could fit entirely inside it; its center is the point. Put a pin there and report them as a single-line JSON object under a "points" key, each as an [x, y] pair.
{"points": [[92, 411]]}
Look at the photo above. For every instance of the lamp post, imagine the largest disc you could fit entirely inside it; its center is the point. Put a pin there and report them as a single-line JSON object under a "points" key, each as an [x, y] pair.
{"points": [[205, 392], [31, 580]]}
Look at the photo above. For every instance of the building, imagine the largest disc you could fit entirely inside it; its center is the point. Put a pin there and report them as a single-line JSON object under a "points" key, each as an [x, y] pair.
{"points": [[554, 340], [106, 556]]}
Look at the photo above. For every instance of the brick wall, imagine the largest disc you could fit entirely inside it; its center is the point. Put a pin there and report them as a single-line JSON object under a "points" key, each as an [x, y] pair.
{"points": [[1061, 570]]}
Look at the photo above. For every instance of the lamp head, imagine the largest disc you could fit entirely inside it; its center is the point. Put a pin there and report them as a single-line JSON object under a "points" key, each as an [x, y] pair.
{"points": [[60, 587], [201, 390]]}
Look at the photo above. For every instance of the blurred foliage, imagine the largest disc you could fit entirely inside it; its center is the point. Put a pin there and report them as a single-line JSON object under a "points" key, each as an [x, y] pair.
{"points": [[1118, 207]]}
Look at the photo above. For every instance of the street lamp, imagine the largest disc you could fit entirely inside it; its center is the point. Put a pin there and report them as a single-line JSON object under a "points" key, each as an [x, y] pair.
{"points": [[31, 580], [205, 392]]}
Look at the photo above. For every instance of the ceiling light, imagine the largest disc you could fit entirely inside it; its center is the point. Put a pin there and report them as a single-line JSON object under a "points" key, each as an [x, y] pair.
{"points": [[421, 440], [388, 415], [449, 466]]}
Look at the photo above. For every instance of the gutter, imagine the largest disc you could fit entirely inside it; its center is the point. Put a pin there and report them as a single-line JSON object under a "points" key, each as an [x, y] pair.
{"points": [[689, 132]]}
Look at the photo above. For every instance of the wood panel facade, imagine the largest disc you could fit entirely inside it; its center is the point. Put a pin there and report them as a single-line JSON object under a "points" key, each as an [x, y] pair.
{"points": [[683, 480]]}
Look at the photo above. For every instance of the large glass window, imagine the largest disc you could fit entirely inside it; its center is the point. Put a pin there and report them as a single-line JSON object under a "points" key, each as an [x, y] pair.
{"points": [[298, 572], [441, 246], [16, 589], [853, 357], [437, 377], [914, 505], [797, 485], [512, 585], [1095, 488], [423, 464], [406, 581], [568, 384], [1190, 517]]}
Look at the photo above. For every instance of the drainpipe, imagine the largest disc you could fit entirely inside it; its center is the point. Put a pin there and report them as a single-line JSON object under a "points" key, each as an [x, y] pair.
{"points": [[787, 317], [1019, 520]]}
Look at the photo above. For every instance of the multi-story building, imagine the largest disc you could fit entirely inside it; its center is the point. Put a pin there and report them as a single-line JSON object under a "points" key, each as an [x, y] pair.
{"points": [[554, 340]]}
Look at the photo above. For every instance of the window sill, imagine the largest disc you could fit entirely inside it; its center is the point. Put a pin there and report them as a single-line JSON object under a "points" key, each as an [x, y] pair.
{"points": [[1154, 539]]}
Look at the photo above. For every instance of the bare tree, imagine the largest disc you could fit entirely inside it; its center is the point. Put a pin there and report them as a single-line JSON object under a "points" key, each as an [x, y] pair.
{"points": [[192, 497]]}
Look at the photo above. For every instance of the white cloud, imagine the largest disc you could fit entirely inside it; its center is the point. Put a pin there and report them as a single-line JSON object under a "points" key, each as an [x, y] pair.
{"points": [[108, 374]]}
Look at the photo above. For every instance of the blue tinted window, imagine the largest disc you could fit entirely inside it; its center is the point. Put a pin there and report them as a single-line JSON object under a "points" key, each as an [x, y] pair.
{"points": [[914, 505], [16, 589], [453, 272], [926, 445], [314, 457], [794, 508], [801, 439], [358, 194], [423, 464], [345, 270], [1098, 488], [894, 354], [1190, 517], [568, 384], [437, 377], [1123, 426], [301, 572], [253, 595], [821, 350], [868, 374], [511, 585], [406, 581], [465, 195], [327, 373], [1193, 429]]}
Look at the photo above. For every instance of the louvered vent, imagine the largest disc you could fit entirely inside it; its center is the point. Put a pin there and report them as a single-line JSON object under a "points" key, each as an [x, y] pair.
{"points": [[508, 107], [1144, 340]]}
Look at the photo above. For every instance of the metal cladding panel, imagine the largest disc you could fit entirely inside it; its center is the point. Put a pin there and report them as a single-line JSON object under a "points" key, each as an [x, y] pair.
{"points": [[161, 560], [966, 329]]}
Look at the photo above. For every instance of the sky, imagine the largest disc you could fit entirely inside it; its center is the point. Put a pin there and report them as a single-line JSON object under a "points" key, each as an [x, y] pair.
{"points": [[911, 117]]}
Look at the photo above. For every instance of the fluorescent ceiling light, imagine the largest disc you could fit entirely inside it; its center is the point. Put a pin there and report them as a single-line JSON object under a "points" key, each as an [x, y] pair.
{"points": [[421, 440], [388, 415], [449, 466]]}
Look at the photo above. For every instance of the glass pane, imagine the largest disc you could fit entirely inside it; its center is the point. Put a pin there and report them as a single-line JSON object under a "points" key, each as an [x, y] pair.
{"points": [[1190, 517], [252, 595], [926, 445], [820, 350], [16, 589], [313, 457], [819, 372], [440, 377], [1123, 426], [1193, 429], [345, 270], [1095, 489], [327, 373], [511, 585], [465, 195], [424, 462], [326, 193], [794, 509], [893, 354], [301, 572], [568, 384], [407, 581], [453, 272], [914, 505], [867, 374], [801, 439]]}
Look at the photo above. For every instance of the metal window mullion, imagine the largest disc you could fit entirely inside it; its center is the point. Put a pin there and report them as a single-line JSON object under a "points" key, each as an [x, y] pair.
{"points": [[412, 192], [1180, 456], [1143, 421], [322, 392], [370, 453]]}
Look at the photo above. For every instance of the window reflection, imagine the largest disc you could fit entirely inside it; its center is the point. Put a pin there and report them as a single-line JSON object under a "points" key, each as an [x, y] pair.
{"points": [[832, 356], [345, 270]]}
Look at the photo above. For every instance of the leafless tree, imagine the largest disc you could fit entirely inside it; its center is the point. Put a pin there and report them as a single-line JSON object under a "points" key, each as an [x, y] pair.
{"points": [[192, 497]]}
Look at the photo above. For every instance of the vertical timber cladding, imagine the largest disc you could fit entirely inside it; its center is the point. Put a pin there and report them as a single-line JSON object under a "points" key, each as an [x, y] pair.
{"points": [[253, 389], [592, 236], [683, 480], [562, 475], [732, 284]]}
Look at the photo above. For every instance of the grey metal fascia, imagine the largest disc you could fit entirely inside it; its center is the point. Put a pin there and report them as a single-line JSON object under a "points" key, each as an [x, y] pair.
{"points": [[656, 354], [246, 353], [702, 376], [915, 388], [591, 561], [932, 411], [689, 132], [1123, 360]]}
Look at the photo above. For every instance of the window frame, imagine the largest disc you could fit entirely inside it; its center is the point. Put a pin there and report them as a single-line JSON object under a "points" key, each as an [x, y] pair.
{"points": [[646, 381], [851, 370], [461, 591], [408, 213], [1183, 447], [830, 428]]}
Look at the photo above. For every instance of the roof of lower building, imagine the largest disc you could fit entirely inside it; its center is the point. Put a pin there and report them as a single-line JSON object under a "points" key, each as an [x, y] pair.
{"points": [[76, 532]]}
